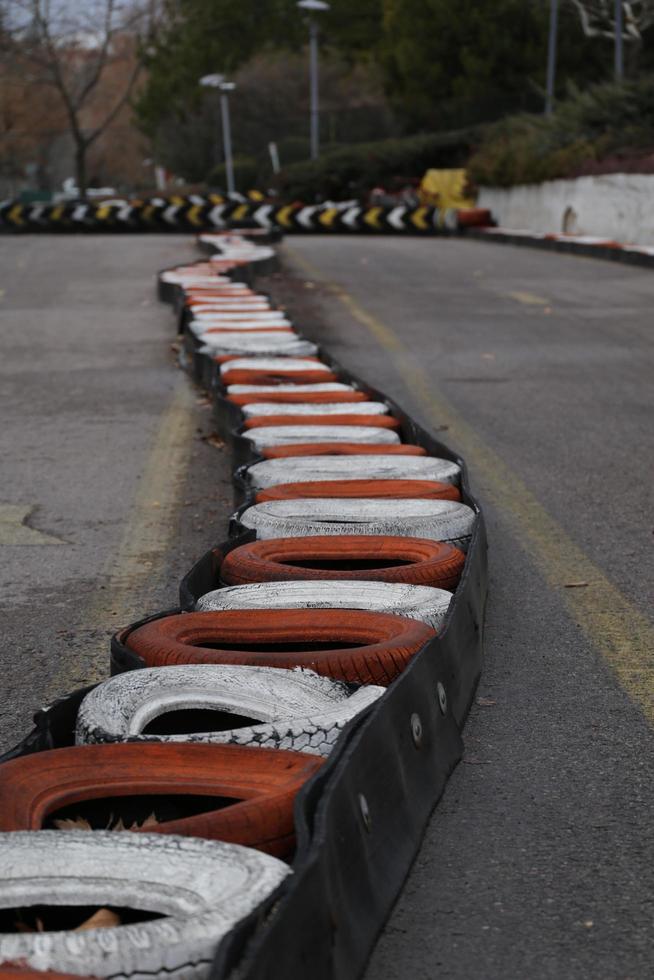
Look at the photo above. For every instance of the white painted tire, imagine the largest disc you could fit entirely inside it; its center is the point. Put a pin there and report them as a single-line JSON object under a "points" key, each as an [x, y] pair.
{"points": [[255, 343], [310, 389], [202, 324], [439, 520], [421, 602], [298, 710], [263, 315], [177, 277], [210, 316], [314, 408], [272, 364], [286, 435], [231, 304], [273, 472], [201, 887], [200, 328]]}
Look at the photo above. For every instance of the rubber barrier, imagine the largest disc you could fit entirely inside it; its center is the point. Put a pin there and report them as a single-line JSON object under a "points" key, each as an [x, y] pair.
{"points": [[231, 793], [364, 647], [197, 212], [24, 973], [393, 489], [340, 449], [420, 602], [278, 709], [200, 889], [415, 561], [390, 765], [380, 421], [586, 245], [290, 397], [344, 469]]}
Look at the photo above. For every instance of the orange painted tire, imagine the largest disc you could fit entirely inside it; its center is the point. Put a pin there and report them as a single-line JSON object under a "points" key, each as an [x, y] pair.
{"points": [[377, 558], [474, 217], [9, 971], [254, 789], [364, 647], [395, 489], [298, 396], [378, 421], [341, 449], [249, 377]]}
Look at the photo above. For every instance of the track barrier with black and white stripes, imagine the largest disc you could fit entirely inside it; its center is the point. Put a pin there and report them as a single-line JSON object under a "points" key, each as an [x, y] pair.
{"points": [[212, 212]]}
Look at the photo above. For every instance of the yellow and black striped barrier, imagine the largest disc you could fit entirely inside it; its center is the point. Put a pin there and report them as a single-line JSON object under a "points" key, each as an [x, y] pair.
{"points": [[213, 212]]}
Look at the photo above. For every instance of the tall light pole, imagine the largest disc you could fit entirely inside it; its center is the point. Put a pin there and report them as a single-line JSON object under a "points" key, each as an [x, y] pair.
{"points": [[313, 7], [551, 57], [619, 41], [224, 87]]}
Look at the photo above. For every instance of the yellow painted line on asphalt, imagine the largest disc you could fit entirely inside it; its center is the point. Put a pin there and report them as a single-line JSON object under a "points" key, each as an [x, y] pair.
{"points": [[145, 545], [618, 630], [528, 299], [14, 531]]}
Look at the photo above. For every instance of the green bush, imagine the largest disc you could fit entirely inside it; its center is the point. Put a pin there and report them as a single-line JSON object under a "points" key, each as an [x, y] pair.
{"points": [[352, 171], [585, 128], [246, 172]]}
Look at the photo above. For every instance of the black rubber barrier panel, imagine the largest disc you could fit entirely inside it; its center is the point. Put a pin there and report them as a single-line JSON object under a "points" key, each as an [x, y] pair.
{"points": [[360, 822], [359, 825], [614, 252]]}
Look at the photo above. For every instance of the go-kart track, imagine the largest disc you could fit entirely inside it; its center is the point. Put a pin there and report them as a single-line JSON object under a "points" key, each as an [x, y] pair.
{"points": [[536, 368]]}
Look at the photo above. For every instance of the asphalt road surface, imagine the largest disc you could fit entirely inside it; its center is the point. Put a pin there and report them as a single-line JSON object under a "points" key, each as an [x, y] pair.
{"points": [[539, 861], [102, 458]]}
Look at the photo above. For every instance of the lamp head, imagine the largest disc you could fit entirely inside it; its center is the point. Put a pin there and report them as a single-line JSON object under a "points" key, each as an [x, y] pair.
{"points": [[313, 6], [212, 81]]}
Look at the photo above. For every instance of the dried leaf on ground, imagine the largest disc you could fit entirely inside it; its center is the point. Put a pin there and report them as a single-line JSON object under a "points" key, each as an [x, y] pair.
{"points": [[102, 919], [213, 440], [73, 823], [119, 825]]}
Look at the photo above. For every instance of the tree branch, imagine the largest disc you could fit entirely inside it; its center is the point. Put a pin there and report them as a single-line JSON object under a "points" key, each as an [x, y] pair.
{"points": [[117, 107]]}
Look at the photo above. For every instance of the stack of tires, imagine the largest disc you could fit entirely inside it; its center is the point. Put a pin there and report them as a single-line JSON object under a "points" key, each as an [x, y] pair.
{"points": [[274, 744]]}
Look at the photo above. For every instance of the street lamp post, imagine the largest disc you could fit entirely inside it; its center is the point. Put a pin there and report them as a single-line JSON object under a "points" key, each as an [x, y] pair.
{"points": [[313, 7], [619, 41], [224, 87], [551, 57]]}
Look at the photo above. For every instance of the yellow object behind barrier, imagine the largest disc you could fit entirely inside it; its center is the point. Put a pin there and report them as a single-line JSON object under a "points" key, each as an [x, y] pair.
{"points": [[445, 189]]}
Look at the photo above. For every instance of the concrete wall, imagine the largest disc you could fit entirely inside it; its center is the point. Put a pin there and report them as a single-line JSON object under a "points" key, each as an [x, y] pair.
{"points": [[618, 206]]}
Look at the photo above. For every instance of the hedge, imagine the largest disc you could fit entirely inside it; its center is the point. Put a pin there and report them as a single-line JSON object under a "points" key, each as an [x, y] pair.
{"points": [[352, 171], [607, 123]]}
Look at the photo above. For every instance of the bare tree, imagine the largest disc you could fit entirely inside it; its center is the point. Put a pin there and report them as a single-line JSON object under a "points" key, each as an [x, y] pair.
{"points": [[72, 47], [598, 18]]}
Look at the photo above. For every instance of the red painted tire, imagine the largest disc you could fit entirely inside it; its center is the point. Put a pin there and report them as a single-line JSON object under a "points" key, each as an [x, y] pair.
{"points": [[395, 489], [244, 377], [298, 396], [365, 647], [413, 561], [378, 421], [9, 971], [474, 217], [341, 449], [254, 789]]}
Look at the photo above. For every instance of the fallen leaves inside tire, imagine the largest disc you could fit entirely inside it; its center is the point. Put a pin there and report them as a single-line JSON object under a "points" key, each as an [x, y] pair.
{"points": [[81, 823]]}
